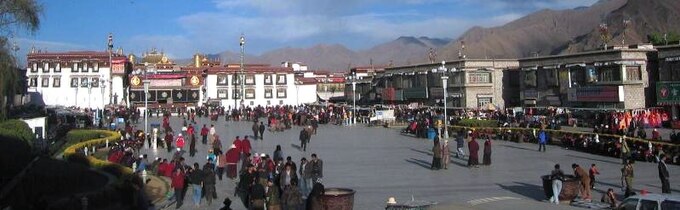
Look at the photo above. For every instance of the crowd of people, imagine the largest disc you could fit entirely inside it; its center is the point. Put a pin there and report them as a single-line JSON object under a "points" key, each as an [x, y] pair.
{"points": [[262, 180]]}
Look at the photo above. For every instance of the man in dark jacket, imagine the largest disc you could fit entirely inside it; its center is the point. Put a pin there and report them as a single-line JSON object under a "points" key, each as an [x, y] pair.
{"points": [[209, 185], [257, 197], [246, 181], [317, 168], [261, 128], [460, 144], [304, 139], [256, 130], [196, 180]]}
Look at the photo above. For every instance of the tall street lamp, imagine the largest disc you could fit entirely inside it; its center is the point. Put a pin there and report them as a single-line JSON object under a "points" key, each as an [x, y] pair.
{"points": [[353, 78], [242, 42], [442, 69]]}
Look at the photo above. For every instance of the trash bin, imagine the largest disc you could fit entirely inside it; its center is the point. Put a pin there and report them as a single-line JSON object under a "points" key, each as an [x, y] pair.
{"points": [[431, 133], [570, 187], [338, 199]]}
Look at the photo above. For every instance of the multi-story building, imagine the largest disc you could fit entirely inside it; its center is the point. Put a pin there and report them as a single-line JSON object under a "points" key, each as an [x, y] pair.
{"points": [[668, 85], [263, 85], [616, 78], [472, 83], [80, 78]]}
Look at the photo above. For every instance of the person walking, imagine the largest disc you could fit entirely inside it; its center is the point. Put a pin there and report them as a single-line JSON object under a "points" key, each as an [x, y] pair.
{"points": [[542, 139], [664, 175], [446, 156], [460, 144], [317, 169], [436, 155], [168, 141], [581, 174], [256, 130], [196, 180], [292, 197], [473, 147], [304, 138], [261, 128], [177, 183], [211, 134], [556, 177], [591, 173], [627, 175], [278, 154], [209, 185], [204, 134], [192, 146], [305, 177], [486, 159], [221, 164]]}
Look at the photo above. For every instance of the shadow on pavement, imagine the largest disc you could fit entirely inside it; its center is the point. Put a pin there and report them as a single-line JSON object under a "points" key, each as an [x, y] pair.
{"points": [[420, 163], [522, 148], [527, 190], [428, 153], [587, 158]]}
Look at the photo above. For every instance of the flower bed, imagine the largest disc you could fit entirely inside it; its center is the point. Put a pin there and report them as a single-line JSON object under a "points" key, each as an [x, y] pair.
{"points": [[103, 135]]}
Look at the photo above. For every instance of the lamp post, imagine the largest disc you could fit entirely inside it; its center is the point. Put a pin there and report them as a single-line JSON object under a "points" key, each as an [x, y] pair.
{"points": [[110, 46], [242, 43], [445, 79], [102, 80]]}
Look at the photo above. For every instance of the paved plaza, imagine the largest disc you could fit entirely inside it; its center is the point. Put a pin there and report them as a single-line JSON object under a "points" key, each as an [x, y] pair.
{"points": [[380, 162]]}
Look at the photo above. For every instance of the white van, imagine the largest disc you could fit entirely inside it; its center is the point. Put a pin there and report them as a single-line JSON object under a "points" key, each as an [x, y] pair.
{"points": [[651, 202]]}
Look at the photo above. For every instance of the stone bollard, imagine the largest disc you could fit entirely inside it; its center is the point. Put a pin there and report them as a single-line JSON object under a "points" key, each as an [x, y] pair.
{"points": [[107, 143], [85, 150]]}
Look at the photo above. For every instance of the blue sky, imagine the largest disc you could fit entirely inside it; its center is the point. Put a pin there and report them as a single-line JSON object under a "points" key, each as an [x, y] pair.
{"points": [[183, 27]]}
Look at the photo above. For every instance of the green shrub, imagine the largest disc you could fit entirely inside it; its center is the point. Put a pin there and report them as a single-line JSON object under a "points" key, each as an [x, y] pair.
{"points": [[17, 129], [478, 123]]}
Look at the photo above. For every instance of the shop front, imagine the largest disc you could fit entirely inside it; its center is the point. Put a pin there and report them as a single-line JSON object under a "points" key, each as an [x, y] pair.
{"points": [[668, 97]]}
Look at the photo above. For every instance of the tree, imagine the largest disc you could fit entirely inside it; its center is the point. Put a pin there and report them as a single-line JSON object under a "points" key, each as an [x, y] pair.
{"points": [[657, 38], [14, 15]]}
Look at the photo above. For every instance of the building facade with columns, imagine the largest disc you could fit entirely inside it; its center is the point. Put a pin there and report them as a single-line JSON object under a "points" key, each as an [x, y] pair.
{"points": [[616, 78], [90, 79]]}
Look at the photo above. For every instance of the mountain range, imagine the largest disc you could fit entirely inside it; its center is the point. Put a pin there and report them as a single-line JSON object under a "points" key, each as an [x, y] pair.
{"points": [[545, 32]]}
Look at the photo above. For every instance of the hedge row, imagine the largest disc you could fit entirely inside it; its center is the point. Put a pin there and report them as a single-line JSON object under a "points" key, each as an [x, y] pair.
{"points": [[17, 129], [100, 138], [554, 133], [478, 123]]}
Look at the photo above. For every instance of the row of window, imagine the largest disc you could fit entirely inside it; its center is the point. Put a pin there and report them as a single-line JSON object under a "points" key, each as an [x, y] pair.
{"points": [[222, 79], [250, 93], [56, 82], [56, 67], [581, 76]]}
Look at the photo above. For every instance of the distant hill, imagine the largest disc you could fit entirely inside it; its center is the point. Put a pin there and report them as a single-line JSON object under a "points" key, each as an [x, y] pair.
{"points": [[545, 32]]}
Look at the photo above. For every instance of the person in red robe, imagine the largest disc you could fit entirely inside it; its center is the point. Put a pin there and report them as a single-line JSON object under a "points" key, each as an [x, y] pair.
{"points": [[245, 145], [232, 157], [473, 147], [487, 152], [204, 134], [239, 146], [190, 131]]}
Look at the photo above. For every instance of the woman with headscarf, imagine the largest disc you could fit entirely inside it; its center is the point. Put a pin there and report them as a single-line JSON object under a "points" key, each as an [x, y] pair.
{"points": [[473, 147], [437, 155]]}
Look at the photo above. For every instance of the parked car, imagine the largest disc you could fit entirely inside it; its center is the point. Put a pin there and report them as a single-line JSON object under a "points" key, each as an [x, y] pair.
{"points": [[651, 201]]}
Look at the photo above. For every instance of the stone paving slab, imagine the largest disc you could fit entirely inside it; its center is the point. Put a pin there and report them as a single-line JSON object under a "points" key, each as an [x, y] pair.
{"points": [[379, 163]]}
